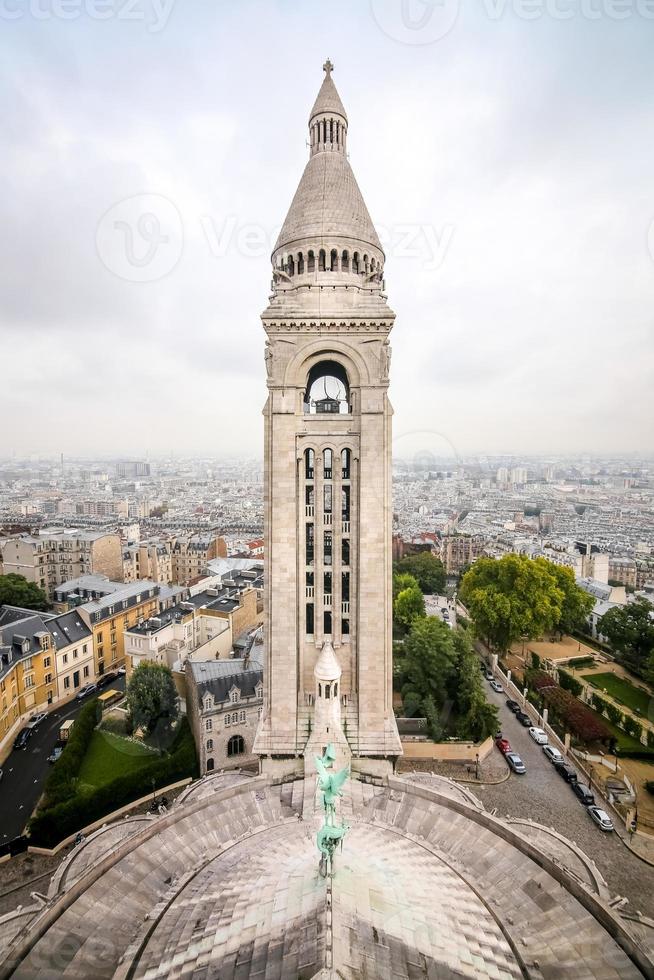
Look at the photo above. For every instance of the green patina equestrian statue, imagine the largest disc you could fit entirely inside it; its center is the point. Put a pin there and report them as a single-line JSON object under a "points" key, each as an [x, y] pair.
{"points": [[330, 784]]}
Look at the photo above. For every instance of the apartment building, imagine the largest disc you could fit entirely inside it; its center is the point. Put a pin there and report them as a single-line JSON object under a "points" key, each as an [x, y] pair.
{"points": [[150, 560], [190, 556], [44, 659], [56, 556], [109, 616], [623, 570], [459, 550], [202, 627]]}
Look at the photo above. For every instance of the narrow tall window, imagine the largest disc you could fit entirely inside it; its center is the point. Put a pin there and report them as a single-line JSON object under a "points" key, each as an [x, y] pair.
{"points": [[327, 547], [345, 587], [327, 618], [310, 544], [327, 463], [309, 460], [345, 463], [345, 551], [345, 503], [310, 624], [327, 502]]}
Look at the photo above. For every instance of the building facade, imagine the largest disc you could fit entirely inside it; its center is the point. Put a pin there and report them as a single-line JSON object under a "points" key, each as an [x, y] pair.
{"points": [[327, 448], [223, 705], [54, 557]]}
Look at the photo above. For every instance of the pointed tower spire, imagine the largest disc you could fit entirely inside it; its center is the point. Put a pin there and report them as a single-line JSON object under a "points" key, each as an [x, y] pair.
{"points": [[328, 203], [328, 107]]}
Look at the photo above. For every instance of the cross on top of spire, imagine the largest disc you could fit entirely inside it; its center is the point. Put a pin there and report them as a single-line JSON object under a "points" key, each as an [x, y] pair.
{"points": [[328, 67]]}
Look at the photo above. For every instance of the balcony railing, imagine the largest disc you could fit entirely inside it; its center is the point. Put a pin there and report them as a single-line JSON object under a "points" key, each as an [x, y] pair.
{"points": [[327, 518], [346, 527], [345, 608], [327, 599], [310, 591], [309, 510]]}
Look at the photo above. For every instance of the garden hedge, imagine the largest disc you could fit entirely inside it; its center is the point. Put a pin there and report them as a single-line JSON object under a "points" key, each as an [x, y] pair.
{"points": [[58, 821]]}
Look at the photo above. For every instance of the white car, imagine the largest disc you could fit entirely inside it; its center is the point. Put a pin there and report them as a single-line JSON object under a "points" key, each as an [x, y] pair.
{"points": [[601, 817], [538, 735], [35, 720], [552, 754], [496, 686]]}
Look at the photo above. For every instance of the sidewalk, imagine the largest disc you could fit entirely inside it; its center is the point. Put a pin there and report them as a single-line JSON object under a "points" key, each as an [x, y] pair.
{"points": [[642, 845]]}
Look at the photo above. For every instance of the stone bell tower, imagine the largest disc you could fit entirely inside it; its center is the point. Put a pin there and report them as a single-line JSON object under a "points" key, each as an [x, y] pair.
{"points": [[328, 493]]}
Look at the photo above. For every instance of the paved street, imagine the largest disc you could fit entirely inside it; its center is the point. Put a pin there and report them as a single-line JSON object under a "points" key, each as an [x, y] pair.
{"points": [[544, 796], [436, 604], [25, 770]]}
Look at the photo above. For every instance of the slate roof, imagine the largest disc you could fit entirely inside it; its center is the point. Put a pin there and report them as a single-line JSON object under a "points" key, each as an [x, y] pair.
{"points": [[68, 628], [218, 677]]}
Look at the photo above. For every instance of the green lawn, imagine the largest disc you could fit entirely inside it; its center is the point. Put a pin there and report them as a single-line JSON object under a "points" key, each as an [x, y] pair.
{"points": [[109, 756], [620, 689]]}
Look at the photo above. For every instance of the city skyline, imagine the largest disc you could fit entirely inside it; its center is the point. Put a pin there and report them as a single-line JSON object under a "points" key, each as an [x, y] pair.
{"points": [[517, 255]]}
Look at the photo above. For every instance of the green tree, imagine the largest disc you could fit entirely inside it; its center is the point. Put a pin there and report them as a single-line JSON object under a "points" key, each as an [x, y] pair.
{"points": [[408, 606], [630, 631], [15, 590], [152, 701], [511, 597], [402, 581], [427, 569], [477, 718], [577, 605], [430, 660]]}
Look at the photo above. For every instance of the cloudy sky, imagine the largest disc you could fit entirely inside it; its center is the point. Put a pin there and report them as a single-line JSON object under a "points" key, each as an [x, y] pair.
{"points": [[505, 149]]}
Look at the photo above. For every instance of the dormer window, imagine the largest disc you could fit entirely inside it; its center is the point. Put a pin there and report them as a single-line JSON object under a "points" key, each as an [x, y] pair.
{"points": [[234, 695], [208, 702]]}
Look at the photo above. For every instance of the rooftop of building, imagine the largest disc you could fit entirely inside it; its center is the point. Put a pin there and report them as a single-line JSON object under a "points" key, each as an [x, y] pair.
{"points": [[218, 677]]}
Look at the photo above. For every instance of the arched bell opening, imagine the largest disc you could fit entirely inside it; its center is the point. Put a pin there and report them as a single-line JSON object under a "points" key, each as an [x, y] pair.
{"points": [[328, 390]]}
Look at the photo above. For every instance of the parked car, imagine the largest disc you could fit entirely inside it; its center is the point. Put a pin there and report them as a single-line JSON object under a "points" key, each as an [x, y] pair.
{"points": [[503, 745], [105, 679], [87, 689], [523, 718], [23, 737], [516, 763], [512, 705], [601, 817], [496, 686], [34, 721], [54, 755], [489, 675], [565, 769], [583, 793], [121, 671], [538, 735], [552, 754]]}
